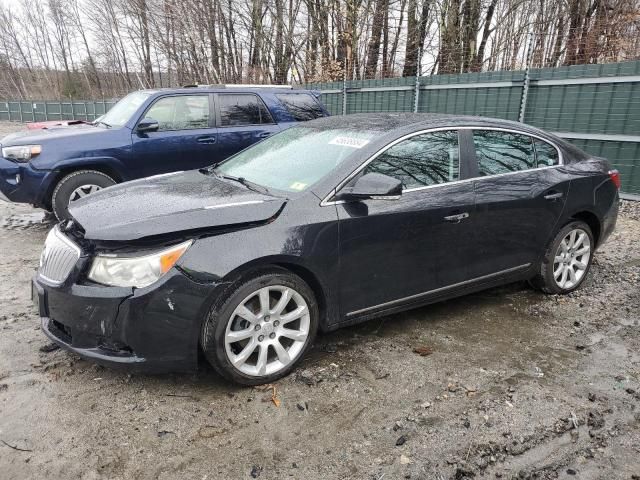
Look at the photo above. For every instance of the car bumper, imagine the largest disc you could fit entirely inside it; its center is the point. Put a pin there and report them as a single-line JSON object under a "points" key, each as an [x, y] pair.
{"points": [[155, 329], [20, 183]]}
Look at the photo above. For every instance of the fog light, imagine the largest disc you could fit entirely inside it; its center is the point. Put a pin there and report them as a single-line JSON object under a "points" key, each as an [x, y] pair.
{"points": [[18, 179]]}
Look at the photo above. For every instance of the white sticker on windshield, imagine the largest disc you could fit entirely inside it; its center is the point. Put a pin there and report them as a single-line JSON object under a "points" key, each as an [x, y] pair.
{"points": [[298, 186], [349, 142]]}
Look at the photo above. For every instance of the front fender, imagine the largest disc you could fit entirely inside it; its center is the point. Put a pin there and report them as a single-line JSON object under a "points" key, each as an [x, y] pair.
{"points": [[310, 251], [108, 163]]}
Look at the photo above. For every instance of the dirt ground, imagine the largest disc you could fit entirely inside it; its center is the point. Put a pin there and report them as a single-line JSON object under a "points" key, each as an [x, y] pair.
{"points": [[511, 383]]}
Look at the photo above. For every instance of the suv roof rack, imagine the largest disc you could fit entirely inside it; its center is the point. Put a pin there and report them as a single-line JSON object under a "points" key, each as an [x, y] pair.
{"points": [[237, 85]]}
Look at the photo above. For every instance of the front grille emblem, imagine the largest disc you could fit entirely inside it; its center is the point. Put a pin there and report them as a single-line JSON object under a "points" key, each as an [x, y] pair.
{"points": [[58, 257]]}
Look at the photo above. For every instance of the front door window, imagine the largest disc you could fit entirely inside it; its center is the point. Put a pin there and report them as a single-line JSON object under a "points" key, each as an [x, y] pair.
{"points": [[421, 161], [183, 112]]}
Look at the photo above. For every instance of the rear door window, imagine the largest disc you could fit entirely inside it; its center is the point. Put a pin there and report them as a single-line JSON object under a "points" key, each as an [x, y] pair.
{"points": [[242, 109], [501, 152], [301, 106], [422, 160], [180, 112], [546, 154]]}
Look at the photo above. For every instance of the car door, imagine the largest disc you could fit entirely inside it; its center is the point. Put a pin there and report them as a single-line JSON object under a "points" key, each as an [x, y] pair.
{"points": [[417, 244], [243, 119], [186, 137], [520, 194]]}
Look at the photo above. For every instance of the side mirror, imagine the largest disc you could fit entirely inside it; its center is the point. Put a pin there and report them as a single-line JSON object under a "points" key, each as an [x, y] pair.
{"points": [[372, 185], [147, 125]]}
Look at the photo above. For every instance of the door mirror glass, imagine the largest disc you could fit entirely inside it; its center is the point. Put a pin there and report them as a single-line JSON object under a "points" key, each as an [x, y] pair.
{"points": [[372, 185], [147, 125]]}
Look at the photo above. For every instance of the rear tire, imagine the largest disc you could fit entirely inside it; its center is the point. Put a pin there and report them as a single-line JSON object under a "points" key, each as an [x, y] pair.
{"points": [[249, 343], [567, 260], [77, 184]]}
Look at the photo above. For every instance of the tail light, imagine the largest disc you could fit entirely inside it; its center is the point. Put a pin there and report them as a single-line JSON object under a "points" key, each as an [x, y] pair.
{"points": [[615, 178]]}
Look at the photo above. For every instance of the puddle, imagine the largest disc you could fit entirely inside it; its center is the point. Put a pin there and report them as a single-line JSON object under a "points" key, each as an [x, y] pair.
{"points": [[22, 221], [495, 326]]}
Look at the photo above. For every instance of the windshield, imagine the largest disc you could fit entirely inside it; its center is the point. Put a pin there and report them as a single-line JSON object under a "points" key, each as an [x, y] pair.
{"points": [[121, 112], [294, 159]]}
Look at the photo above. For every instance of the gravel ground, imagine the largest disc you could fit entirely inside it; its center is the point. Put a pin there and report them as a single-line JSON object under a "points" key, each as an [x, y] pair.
{"points": [[508, 383]]}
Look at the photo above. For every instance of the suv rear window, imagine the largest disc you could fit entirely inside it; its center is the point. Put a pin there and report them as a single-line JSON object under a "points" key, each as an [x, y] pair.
{"points": [[301, 106], [242, 109]]}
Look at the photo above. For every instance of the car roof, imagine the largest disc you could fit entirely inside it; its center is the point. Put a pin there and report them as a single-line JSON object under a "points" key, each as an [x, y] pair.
{"points": [[392, 125], [387, 122], [222, 89]]}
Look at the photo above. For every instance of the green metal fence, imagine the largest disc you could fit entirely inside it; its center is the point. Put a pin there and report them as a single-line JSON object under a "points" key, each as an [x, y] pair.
{"points": [[596, 107], [46, 110]]}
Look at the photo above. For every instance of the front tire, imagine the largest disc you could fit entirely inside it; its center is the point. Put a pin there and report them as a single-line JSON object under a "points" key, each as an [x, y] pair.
{"points": [[74, 186], [567, 260], [261, 327]]}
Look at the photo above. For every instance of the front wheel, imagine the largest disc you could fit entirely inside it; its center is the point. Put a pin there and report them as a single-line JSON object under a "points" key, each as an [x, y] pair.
{"points": [[261, 328], [567, 261], [74, 186]]}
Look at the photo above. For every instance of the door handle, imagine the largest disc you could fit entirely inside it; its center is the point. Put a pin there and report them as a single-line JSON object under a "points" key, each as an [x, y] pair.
{"points": [[264, 134], [553, 196], [206, 139], [457, 218]]}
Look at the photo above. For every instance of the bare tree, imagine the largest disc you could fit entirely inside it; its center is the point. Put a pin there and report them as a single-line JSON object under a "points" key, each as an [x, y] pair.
{"points": [[103, 48]]}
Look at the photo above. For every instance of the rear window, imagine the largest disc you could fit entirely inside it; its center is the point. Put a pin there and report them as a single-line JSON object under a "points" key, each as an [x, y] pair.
{"points": [[301, 106], [242, 109]]}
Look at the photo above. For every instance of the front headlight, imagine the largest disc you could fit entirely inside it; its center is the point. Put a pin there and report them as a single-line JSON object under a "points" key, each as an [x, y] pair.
{"points": [[21, 153], [135, 271]]}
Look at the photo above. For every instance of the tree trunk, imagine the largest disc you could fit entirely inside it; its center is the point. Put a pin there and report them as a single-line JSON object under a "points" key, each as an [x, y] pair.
{"points": [[373, 48]]}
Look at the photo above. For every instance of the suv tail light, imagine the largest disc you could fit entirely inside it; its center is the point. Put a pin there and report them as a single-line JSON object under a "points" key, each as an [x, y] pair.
{"points": [[615, 178]]}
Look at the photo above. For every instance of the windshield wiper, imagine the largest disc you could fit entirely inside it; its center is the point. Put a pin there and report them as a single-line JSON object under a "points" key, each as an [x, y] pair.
{"points": [[241, 180], [99, 122]]}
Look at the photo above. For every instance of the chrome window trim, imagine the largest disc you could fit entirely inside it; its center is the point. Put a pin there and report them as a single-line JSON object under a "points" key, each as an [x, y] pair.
{"points": [[326, 201]]}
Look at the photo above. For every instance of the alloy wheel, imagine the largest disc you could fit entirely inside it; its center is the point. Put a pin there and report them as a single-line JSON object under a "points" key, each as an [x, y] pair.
{"points": [[572, 259], [82, 191], [267, 331]]}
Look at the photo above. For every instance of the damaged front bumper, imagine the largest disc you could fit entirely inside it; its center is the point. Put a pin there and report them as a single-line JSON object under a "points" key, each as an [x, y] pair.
{"points": [[153, 329]]}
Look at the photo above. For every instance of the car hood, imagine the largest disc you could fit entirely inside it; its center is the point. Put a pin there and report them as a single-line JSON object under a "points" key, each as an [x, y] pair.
{"points": [[37, 136], [169, 204]]}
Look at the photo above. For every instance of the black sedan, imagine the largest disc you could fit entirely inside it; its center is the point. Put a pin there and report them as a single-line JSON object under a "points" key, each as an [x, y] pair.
{"points": [[326, 224]]}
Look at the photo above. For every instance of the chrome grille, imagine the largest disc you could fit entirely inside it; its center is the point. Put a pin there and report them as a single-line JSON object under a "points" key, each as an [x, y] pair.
{"points": [[58, 258]]}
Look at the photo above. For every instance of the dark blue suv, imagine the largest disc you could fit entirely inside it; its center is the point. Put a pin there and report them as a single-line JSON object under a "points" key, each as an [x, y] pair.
{"points": [[149, 132]]}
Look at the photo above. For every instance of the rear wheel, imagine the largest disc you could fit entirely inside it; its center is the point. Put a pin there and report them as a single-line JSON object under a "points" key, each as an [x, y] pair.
{"points": [[567, 260], [261, 328], [75, 186]]}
